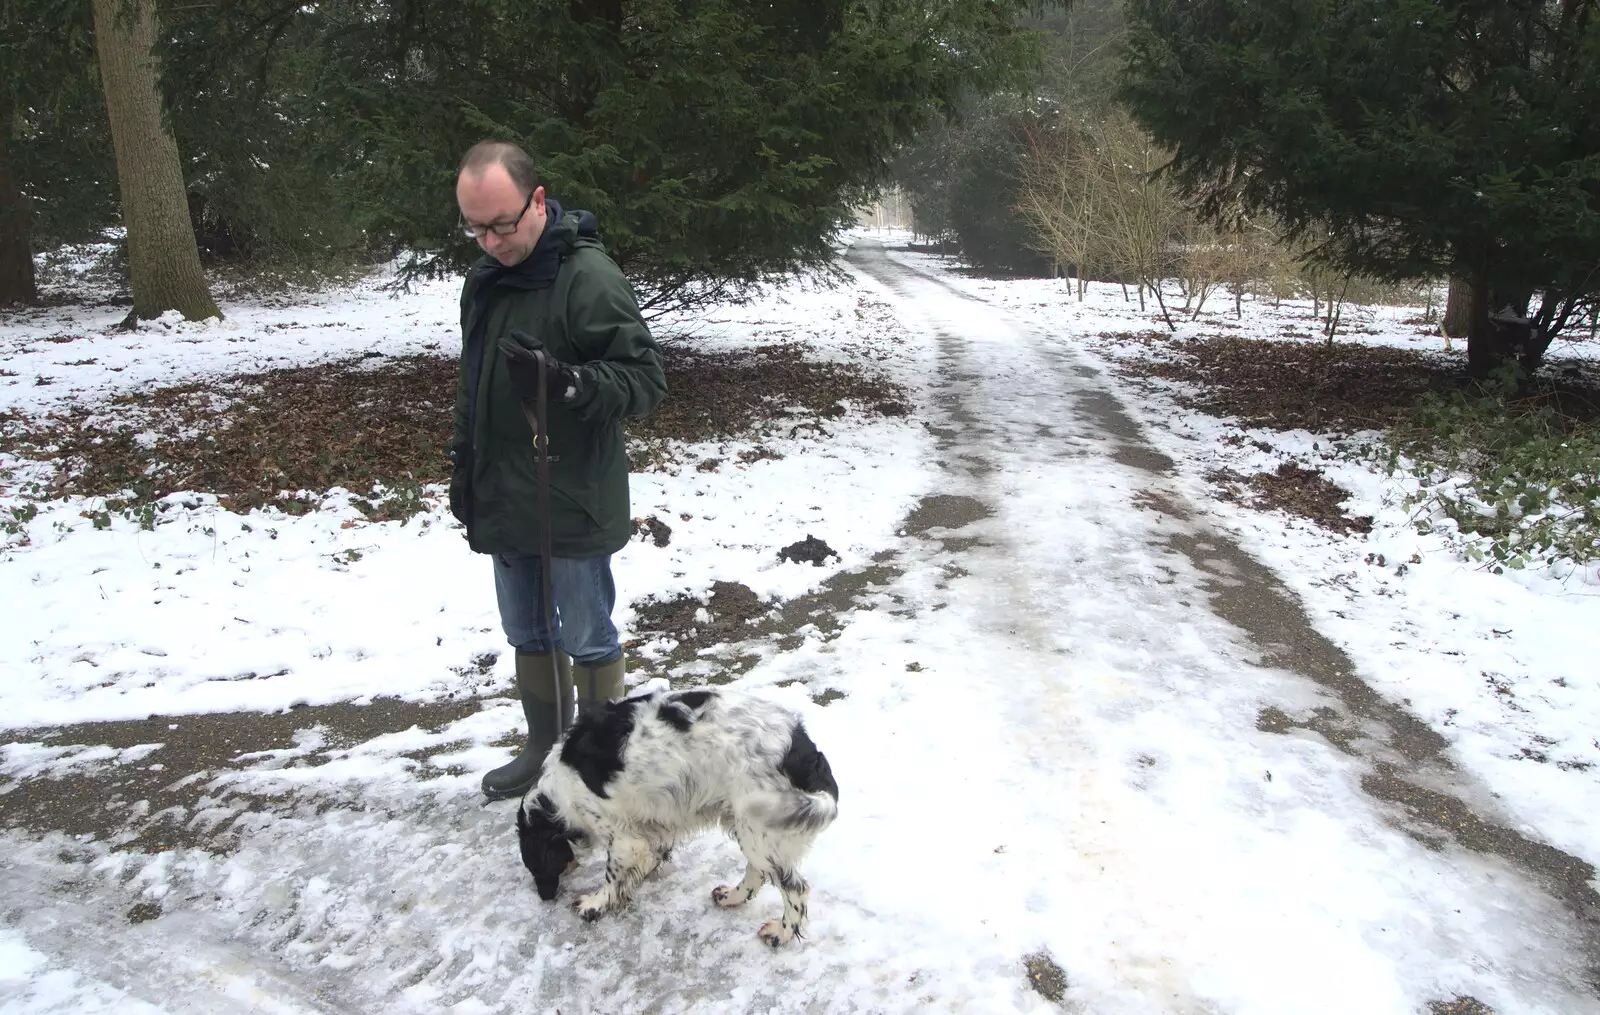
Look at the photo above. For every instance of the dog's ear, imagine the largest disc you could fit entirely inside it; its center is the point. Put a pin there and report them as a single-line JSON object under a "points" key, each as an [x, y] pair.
{"points": [[594, 744]]}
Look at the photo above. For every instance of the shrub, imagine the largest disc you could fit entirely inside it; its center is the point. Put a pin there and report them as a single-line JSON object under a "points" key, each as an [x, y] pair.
{"points": [[1515, 469]]}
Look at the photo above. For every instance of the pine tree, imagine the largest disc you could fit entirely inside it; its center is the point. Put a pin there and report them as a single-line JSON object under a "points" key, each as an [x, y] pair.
{"points": [[719, 142], [1421, 139], [46, 71], [58, 147]]}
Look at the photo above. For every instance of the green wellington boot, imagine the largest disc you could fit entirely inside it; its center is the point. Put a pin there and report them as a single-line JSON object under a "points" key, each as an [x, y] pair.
{"points": [[598, 684], [542, 703]]}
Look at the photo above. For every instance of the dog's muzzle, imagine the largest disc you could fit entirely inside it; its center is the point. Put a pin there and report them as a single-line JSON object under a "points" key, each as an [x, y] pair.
{"points": [[547, 888]]}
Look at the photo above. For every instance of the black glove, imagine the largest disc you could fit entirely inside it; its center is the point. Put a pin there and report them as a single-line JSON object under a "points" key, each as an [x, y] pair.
{"points": [[523, 353]]}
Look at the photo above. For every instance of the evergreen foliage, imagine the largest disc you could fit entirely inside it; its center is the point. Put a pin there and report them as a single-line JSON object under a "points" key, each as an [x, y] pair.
{"points": [[60, 145], [57, 178], [1403, 138], [266, 158], [719, 142]]}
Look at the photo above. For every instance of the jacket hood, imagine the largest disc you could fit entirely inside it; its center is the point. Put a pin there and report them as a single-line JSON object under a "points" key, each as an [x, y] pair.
{"points": [[571, 226], [564, 232]]}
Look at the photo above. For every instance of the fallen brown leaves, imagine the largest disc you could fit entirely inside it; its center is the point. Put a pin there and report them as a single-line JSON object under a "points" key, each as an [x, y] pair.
{"points": [[1336, 389], [1299, 491], [721, 394], [254, 439], [1288, 385], [257, 439]]}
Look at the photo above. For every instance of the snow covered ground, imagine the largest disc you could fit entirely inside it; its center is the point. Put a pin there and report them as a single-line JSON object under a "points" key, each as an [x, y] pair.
{"points": [[1048, 740], [1501, 664]]}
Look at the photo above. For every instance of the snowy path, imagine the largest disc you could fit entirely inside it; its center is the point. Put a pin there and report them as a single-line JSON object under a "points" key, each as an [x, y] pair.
{"points": [[1053, 740], [1194, 857]]}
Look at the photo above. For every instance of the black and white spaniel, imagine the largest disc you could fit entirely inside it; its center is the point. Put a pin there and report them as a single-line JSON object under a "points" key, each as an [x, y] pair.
{"points": [[643, 773]]}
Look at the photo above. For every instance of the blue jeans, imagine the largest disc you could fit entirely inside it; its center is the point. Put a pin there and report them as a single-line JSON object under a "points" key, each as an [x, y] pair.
{"points": [[585, 596]]}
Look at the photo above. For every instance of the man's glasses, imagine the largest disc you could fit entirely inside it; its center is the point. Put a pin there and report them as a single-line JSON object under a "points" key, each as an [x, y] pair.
{"points": [[478, 232]]}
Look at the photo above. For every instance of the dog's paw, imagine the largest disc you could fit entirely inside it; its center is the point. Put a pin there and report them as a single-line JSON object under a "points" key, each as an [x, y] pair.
{"points": [[729, 896], [591, 907], [775, 933]]}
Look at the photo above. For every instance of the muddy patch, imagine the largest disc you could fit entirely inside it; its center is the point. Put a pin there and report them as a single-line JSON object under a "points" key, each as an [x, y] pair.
{"points": [[1569, 878], [1328, 723], [944, 511], [1045, 977], [725, 635], [728, 615], [1250, 597], [158, 785], [809, 550], [1132, 450], [1161, 503]]}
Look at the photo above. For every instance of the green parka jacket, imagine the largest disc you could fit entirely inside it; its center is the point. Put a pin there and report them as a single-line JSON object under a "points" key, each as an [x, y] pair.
{"points": [[573, 298]]}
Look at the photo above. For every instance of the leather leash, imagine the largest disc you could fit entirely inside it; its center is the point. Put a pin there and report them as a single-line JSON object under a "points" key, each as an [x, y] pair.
{"points": [[541, 446]]}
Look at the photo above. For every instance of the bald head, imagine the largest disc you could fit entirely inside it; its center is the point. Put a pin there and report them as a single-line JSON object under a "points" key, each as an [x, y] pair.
{"points": [[517, 163], [499, 200]]}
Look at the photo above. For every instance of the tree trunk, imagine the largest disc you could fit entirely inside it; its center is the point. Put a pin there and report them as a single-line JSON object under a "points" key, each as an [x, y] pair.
{"points": [[16, 250], [1556, 313], [1458, 308], [1486, 344], [162, 256]]}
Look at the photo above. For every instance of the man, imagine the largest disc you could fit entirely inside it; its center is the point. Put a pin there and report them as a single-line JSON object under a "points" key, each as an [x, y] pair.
{"points": [[546, 293]]}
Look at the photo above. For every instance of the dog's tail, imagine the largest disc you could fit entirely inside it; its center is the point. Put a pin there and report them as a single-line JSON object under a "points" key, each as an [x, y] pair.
{"points": [[814, 802], [811, 812]]}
